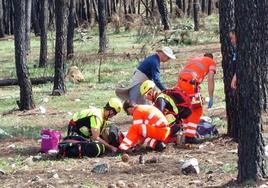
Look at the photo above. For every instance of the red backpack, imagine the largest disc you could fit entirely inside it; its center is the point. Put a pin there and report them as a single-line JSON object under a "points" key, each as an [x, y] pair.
{"points": [[181, 98]]}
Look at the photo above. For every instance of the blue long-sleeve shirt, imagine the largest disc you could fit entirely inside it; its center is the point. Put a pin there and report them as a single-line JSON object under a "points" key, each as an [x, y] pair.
{"points": [[150, 66]]}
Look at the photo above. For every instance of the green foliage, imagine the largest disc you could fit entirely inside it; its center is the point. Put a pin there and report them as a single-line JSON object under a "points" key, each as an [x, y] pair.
{"points": [[229, 167]]}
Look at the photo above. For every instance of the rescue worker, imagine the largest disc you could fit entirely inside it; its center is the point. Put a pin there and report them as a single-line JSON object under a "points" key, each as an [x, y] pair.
{"points": [[173, 104], [90, 122], [189, 81], [148, 69], [148, 122]]}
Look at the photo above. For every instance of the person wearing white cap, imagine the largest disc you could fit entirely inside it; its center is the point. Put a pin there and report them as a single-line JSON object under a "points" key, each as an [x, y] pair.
{"points": [[148, 69]]}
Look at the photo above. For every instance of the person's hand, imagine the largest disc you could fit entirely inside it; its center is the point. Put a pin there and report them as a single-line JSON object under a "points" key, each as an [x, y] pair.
{"points": [[233, 82], [113, 149], [210, 102]]}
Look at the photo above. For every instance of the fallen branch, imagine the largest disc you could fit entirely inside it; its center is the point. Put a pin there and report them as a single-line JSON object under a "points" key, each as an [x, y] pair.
{"points": [[35, 81]]}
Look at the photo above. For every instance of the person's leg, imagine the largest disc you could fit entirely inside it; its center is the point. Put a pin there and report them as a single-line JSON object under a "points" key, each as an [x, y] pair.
{"points": [[135, 96]]}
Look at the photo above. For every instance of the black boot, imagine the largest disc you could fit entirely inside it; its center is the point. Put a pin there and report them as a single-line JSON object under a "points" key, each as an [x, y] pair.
{"points": [[191, 140], [160, 146]]}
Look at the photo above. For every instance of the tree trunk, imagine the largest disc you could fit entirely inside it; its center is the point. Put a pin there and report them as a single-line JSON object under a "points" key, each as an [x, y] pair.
{"points": [[26, 97], [102, 26], [70, 35], [226, 10], [203, 6], [196, 15], [190, 8], [43, 30], [28, 26], [2, 31], [184, 6], [251, 22], [209, 7], [61, 10], [179, 4], [162, 7], [35, 17]]}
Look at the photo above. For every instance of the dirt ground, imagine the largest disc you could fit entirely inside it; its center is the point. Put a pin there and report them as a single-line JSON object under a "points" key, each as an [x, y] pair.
{"points": [[217, 162]]}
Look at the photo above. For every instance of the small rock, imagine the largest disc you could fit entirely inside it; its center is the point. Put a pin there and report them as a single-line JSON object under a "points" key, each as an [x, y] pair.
{"points": [[190, 167], [36, 178], [2, 172], [42, 109], [69, 113], [111, 186], [13, 165], [45, 99], [29, 161], [263, 186], [120, 183], [195, 182], [55, 176], [11, 146], [77, 100], [101, 168], [234, 151], [37, 158], [152, 160], [133, 185], [219, 162]]}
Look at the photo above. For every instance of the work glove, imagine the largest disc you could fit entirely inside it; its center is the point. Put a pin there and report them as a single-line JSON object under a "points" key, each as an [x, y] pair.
{"points": [[210, 102]]}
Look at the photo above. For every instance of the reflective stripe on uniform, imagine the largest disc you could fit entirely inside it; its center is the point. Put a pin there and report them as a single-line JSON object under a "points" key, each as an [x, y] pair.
{"points": [[152, 142], [98, 147], [190, 131], [138, 121], [129, 142], [193, 73], [144, 131], [198, 64], [193, 125], [123, 146], [146, 141], [171, 102], [151, 115], [160, 121]]}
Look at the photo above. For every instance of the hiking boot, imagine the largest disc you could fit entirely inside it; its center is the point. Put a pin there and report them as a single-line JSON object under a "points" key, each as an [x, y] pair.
{"points": [[191, 140], [160, 146]]}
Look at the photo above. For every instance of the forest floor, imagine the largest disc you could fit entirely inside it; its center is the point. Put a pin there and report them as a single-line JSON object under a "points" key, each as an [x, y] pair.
{"points": [[217, 158]]}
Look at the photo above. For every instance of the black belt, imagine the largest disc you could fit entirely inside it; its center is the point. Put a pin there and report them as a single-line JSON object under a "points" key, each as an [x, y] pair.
{"points": [[192, 82]]}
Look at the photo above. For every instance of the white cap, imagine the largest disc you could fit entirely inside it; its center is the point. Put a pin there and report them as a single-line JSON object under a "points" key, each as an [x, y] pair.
{"points": [[168, 51]]}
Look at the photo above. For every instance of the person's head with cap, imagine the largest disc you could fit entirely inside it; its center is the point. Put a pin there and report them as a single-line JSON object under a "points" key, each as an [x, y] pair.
{"points": [[165, 54]]}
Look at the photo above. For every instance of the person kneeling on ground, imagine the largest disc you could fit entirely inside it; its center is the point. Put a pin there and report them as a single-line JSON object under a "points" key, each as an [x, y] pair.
{"points": [[148, 122], [89, 123], [173, 103]]}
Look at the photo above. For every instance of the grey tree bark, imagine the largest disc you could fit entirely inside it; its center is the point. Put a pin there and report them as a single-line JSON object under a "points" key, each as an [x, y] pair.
{"points": [[61, 10], [251, 22], [227, 23], [70, 34], [43, 29], [102, 26], [162, 7], [2, 30], [26, 101], [196, 14]]}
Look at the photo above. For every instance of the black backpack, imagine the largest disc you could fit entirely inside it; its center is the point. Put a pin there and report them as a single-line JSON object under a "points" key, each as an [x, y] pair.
{"points": [[77, 147]]}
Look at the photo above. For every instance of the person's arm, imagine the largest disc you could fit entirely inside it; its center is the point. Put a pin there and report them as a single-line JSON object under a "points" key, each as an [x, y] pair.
{"points": [[211, 84], [156, 77], [95, 124], [233, 82]]}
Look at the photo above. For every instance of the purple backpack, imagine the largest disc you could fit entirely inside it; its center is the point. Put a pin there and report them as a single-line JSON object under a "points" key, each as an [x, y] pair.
{"points": [[50, 140], [206, 130]]}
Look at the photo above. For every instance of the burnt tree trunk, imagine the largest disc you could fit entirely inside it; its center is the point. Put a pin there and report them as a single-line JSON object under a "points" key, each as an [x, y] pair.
{"points": [[102, 26], [251, 23], [226, 11], [28, 26], [204, 6], [26, 96], [61, 10], [35, 17], [2, 30], [196, 15], [43, 31], [70, 34], [179, 4], [162, 7], [184, 6], [34, 81], [190, 8], [209, 7]]}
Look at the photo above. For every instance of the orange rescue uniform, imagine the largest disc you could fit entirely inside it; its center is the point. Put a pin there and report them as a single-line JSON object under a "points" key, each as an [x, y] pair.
{"points": [[189, 80], [148, 122]]}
